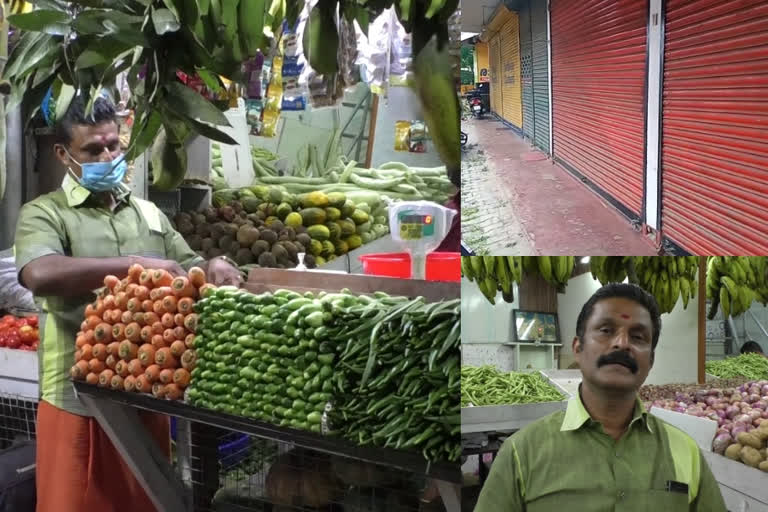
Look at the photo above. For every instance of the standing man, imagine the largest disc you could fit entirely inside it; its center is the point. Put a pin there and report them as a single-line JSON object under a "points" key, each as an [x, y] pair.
{"points": [[605, 453], [66, 243]]}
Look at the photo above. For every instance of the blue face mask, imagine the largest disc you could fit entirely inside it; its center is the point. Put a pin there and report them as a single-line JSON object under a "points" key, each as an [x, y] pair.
{"points": [[102, 176]]}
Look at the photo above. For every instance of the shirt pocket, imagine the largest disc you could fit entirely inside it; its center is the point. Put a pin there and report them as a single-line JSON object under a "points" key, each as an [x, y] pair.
{"points": [[655, 499]]}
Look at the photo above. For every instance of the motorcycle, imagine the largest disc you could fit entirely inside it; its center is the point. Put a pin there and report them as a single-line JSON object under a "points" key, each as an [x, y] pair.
{"points": [[476, 106]]}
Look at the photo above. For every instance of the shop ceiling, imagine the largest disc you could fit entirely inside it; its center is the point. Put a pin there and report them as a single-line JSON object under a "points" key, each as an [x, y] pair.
{"points": [[477, 14]]}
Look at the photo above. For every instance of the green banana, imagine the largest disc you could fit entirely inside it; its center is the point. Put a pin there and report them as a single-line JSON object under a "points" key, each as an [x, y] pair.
{"points": [[490, 265], [477, 266], [251, 26], [466, 268], [229, 24], [169, 162], [725, 302], [545, 267], [216, 12], [435, 6], [321, 38]]}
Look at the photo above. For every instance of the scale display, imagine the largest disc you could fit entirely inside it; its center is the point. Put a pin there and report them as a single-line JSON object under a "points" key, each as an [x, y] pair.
{"points": [[414, 226]]}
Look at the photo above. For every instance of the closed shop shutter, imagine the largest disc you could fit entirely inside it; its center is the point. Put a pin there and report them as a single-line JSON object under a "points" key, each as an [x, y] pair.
{"points": [[598, 80], [526, 71], [715, 126], [495, 58], [512, 107], [540, 74]]}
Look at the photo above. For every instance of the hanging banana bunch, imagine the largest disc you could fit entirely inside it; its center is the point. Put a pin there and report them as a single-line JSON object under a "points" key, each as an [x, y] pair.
{"points": [[733, 282], [17, 7], [667, 278], [608, 269], [556, 270], [493, 274]]}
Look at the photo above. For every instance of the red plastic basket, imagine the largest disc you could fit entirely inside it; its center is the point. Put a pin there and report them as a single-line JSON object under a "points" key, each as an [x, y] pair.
{"points": [[441, 266]]}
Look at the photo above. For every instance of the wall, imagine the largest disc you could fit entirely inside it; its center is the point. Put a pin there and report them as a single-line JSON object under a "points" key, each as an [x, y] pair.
{"points": [[678, 344], [481, 62]]}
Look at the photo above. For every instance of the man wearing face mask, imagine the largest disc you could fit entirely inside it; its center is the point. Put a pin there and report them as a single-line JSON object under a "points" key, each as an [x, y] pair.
{"points": [[66, 243], [604, 453]]}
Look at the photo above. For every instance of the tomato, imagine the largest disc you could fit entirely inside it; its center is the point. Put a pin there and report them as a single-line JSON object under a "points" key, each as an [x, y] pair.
{"points": [[27, 335], [21, 322], [8, 320], [26, 348], [13, 340], [35, 345], [32, 320], [3, 340]]}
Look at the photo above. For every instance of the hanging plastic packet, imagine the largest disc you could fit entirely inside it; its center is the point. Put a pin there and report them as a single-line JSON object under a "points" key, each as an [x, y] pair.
{"points": [[293, 65], [349, 71], [402, 134], [417, 137], [401, 56], [374, 51], [273, 101]]}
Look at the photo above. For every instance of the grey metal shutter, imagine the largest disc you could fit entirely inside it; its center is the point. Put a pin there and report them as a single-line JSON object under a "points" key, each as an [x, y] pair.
{"points": [[540, 74]]}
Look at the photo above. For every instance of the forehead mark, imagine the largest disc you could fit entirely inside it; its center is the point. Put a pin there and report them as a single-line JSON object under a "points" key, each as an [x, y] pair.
{"points": [[625, 316]]}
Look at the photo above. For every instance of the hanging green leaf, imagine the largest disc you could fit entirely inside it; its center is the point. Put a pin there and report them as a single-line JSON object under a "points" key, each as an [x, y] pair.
{"points": [[143, 134], [64, 100], [89, 58], [44, 47], [210, 132], [164, 21], [171, 7], [190, 104], [210, 80], [42, 20]]}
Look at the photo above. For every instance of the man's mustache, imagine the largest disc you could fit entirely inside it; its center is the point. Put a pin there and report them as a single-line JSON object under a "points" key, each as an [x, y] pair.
{"points": [[618, 357]]}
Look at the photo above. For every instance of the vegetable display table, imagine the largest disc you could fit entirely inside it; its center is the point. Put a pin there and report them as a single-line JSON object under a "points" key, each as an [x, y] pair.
{"points": [[156, 475]]}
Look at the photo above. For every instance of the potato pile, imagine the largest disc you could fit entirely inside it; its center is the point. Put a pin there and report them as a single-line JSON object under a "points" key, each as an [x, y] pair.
{"points": [[139, 334], [270, 229], [751, 447]]}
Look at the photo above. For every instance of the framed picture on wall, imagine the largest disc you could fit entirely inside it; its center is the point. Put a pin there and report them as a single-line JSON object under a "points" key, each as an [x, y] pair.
{"points": [[535, 327]]}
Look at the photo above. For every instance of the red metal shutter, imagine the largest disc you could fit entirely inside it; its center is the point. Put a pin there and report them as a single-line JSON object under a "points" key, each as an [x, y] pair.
{"points": [[598, 85], [715, 126]]}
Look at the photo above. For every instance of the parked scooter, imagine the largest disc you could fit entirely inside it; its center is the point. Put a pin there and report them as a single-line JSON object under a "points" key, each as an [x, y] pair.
{"points": [[476, 105]]}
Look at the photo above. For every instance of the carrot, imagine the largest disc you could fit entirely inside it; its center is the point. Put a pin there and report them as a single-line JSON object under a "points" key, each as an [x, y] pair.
{"points": [[79, 370], [158, 342], [105, 378], [129, 383], [118, 287], [181, 378], [158, 308], [166, 376], [139, 318], [161, 278], [133, 332], [158, 328], [128, 350], [189, 341], [135, 271], [84, 325], [169, 337], [206, 289], [78, 355], [93, 321], [143, 385], [107, 315], [146, 334], [179, 333], [183, 288], [110, 281], [147, 354], [126, 317], [109, 302], [133, 305], [169, 303], [90, 337], [145, 278], [130, 290], [98, 308], [190, 322], [80, 340], [92, 378], [111, 361], [186, 305], [96, 366], [135, 368], [147, 306], [163, 292], [121, 368], [158, 390], [196, 276], [103, 333], [165, 358], [177, 348], [173, 392], [189, 359], [152, 372], [121, 299], [118, 332], [178, 319], [141, 293], [100, 351], [117, 382], [151, 318], [115, 316], [87, 351], [167, 321]]}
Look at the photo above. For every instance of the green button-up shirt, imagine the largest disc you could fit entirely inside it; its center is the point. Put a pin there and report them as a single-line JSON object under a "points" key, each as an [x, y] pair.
{"points": [[566, 462], [72, 222]]}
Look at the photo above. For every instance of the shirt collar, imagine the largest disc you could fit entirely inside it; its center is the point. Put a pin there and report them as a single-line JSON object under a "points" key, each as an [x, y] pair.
{"points": [[576, 415], [77, 194]]}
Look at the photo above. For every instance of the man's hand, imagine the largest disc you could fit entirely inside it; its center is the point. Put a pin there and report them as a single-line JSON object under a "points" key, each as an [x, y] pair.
{"points": [[171, 266], [221, 273]]}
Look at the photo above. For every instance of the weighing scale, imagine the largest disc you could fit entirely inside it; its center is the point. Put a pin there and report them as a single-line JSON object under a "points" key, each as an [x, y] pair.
{"points": [[419, 227]]}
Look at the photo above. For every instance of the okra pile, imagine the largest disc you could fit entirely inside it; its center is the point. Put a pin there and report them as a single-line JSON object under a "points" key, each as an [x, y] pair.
{"points": [[386, 369], [398, 380]]}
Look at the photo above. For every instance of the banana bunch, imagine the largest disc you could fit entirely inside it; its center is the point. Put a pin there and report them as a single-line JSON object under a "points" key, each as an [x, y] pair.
{"points": [[608, 269], [556, 270], [493, 274], [667, 278], [733, 282]]}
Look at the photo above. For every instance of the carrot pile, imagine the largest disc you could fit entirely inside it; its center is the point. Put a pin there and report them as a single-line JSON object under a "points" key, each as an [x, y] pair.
{"points": [[139, 334]]}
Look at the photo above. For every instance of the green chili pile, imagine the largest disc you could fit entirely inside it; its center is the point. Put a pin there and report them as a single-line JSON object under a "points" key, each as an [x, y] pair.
{"points": [[488, 386], [751, 366]]}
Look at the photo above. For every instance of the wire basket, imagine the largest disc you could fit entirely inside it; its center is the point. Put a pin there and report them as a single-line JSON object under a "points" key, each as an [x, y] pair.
{"points": [[18, 416]]}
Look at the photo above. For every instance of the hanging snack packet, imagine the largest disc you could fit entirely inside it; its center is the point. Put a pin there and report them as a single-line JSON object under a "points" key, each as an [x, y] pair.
{"points": [[402, 134], [417, 137]]}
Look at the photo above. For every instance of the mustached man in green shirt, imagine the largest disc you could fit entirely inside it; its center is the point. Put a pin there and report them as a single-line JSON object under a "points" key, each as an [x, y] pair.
{"points": [[604, 453], [66, 243]]}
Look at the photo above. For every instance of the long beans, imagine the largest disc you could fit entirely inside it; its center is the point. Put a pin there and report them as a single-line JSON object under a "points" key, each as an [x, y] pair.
{"points": [[752, 366], [488, 386]]}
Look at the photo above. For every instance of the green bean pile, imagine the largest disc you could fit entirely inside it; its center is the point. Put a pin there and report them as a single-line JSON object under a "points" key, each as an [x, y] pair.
{"points": [[488, 386], [751, 366]]}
